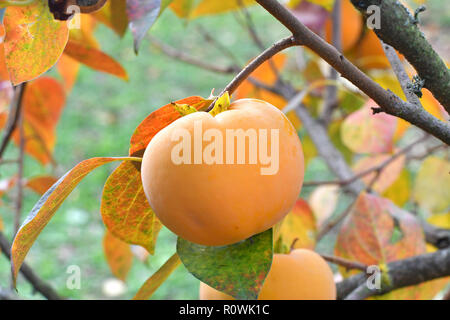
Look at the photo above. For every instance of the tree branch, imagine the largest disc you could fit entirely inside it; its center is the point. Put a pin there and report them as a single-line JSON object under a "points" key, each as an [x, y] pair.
{"points": [[345, 263], [38, 284], [387, 100], [401, 273], [399, 29], [400, 73]]}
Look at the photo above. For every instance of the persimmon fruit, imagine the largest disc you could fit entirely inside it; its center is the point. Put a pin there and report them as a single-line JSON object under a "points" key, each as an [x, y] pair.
{"points": [[300, 275], [218, 203]]}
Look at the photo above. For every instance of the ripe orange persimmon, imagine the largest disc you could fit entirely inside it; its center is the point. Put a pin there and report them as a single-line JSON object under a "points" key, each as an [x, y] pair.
{"points": [[300, 275], [351, 26], [212, 198]]}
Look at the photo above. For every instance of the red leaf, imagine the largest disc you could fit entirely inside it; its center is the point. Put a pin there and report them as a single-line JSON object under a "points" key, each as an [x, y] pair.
{"points": [[158, 120]]}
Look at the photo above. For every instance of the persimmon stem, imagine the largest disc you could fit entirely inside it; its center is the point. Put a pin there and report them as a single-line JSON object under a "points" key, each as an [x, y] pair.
{"points": [[255, 63]]}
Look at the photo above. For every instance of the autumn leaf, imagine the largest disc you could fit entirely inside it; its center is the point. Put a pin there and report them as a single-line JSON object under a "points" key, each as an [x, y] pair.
{"points": [[41, 184], [142, 14], [432, 185], [365, 132], [68, 69], [266, 75], [95, 59], [207, 7], [125, 209], [198, 8], [46, 207], [155, 281], [377, 232], [113, 14], [118, 255], [34, 40], [323, 201], [158, 120], [43, 103], [238, 270], [380, 182], [399, 191], [298, 228], [4, 75]]}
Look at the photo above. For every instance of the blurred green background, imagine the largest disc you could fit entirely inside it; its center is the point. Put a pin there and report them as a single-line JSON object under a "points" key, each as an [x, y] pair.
{"points": [[100, 115]]}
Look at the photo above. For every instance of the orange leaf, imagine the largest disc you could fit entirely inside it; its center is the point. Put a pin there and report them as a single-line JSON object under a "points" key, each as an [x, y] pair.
{"points": [[158, 120], [367, 234], [43, 102], [299, 226], [118, 255], [46, 207], [41, 184], [266, 75], [4, 75], [125, 209], [377, 232], [95, 59], [34, 40], [68, 68], [387, 177]]}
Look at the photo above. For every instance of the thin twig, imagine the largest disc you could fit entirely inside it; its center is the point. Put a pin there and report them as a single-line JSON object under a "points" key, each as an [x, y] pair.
{"points": [[348, 264], [219, 46], [400, 73], [13, 117], [331, 101], [19, 200], [255, 63], [184, 57], [377, 169], [327, 227]]}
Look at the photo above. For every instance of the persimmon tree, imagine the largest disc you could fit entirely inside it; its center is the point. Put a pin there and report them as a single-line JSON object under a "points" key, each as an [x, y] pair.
{"points": [[370, 103]]}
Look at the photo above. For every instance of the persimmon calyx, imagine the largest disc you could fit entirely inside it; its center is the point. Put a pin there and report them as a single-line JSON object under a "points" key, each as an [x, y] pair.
{"points": [[221, 105]]}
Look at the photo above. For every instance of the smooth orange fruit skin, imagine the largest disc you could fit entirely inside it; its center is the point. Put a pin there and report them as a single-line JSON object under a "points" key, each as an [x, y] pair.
{"points": [[300, 275], [221, 204], [351, 26]]}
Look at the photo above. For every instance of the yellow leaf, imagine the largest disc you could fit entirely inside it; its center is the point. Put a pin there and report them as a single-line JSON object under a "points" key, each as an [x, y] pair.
{"points": [[34, 40], [432, 185], [399, 191]]}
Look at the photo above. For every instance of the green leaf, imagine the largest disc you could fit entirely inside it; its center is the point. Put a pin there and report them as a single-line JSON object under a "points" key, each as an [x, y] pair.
{"points": [[238, 269], [46, 207]]}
